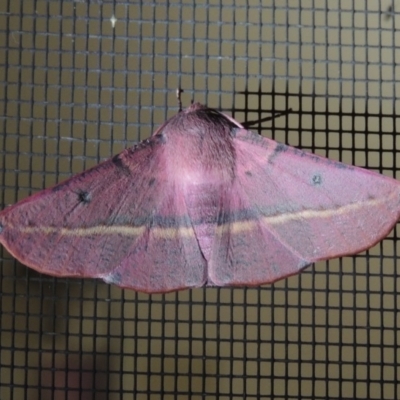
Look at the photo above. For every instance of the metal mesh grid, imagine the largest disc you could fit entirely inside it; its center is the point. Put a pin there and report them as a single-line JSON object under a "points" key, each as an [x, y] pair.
{"points": [[80, 82]]}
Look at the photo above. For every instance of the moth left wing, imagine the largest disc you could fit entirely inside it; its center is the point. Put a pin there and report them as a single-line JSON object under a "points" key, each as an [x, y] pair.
{"points": [[288, 208], [124, 221]]}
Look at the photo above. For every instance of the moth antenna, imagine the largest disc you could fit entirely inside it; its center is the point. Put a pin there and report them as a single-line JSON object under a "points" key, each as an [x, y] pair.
{"points": [[247, 124], [179, 91]]}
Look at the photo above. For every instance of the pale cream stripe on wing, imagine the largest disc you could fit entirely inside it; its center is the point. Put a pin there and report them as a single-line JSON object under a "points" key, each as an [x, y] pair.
{"points": [[167, 233], [233, 227], [93, 230], [242, 226]]}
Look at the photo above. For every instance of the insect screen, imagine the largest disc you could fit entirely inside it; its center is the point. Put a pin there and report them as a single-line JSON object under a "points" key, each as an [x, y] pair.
{"points": [[81, 81]]}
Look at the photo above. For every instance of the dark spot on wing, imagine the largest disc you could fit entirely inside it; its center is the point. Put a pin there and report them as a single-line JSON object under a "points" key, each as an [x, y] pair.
{"points": [[316, 180], [234, 131], [342, 165], [1, 228], [248, 173], [84, 197], [160, 138], [119, 163], [152, 181], [280, 148]]}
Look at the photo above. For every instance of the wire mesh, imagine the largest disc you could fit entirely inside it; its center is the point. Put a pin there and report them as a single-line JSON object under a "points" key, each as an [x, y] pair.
{"points": [[81, 81]]}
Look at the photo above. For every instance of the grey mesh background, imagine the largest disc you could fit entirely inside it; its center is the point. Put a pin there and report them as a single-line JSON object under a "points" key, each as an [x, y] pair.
{"points": [[81, 81]]}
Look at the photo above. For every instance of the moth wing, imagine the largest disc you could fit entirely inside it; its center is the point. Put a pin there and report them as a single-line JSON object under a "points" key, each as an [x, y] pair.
{"points": [[288, 208], [123, 221]]}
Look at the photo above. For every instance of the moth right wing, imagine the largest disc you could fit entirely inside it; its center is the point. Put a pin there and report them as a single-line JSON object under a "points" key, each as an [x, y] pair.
{"points": [[288, 208]]}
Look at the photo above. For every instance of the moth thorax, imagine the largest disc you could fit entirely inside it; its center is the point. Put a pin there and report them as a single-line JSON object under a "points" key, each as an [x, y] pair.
{"points": [[203, 160]]}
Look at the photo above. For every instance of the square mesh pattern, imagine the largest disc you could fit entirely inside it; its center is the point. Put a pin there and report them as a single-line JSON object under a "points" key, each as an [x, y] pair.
{"points": [[80, 81]]}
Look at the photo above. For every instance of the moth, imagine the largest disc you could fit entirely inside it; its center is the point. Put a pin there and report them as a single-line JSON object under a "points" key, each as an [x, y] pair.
{"points": [[203, 201]]}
